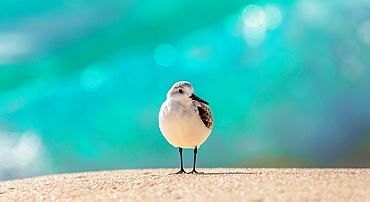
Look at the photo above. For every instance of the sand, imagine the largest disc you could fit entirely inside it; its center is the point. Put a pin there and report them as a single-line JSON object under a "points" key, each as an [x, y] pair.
{"points": [[216, 184]]}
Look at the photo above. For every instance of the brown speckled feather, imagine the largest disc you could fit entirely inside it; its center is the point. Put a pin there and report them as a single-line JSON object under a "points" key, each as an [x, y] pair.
{"points": [[206, 115]]}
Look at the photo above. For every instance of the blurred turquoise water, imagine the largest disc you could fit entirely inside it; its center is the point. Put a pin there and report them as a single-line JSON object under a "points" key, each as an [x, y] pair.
{"points": [[82, 83]]}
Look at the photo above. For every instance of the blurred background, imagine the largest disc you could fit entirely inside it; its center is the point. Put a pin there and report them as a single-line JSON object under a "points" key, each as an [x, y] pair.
{"points": [[81, 83]]}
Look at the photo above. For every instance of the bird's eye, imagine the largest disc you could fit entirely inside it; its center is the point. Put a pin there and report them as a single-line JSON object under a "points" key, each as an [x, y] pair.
{"points": [[180, 91]]}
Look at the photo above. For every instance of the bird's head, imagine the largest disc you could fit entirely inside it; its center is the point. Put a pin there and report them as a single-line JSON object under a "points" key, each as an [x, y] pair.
{"points": [[183, 92]]}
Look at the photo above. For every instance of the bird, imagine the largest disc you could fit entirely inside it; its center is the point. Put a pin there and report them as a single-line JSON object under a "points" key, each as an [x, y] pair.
{"points": [[185, 120]]}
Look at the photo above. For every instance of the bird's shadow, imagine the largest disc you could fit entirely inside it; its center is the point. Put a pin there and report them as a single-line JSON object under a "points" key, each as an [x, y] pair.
{"points": [[215, 173], [226, 173]]}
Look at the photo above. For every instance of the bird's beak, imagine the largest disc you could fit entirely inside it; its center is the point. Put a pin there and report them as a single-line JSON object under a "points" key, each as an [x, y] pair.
{"points": [[194, 97]]}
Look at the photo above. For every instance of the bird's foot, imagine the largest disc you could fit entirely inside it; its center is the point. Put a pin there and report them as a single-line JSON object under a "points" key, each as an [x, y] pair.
{"points": [[181, 171], [195, 172]]}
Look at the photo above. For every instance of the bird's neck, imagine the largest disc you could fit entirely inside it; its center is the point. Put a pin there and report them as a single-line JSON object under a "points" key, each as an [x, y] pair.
{"points": [[174, 101]]}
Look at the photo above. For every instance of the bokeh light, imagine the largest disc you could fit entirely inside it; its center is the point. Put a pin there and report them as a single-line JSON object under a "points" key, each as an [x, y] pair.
{"points": [[255, 25], [258, 20], [92, 78], [363, 32], [22, 155], [273, 16], [165, 55]]}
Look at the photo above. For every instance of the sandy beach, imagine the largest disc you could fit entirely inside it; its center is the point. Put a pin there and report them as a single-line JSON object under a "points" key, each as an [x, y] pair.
{"points": [[215, 184]]}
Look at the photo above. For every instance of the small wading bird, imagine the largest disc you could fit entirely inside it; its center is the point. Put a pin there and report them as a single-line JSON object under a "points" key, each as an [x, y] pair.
{"points": [[185, 120]]}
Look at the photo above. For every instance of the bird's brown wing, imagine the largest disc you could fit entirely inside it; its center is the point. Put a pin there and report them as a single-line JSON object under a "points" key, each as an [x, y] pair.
{"points": [[206, 115]]}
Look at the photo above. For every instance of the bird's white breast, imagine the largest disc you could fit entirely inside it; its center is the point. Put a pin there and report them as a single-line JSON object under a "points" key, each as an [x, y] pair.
{"points": [[181, 125]]}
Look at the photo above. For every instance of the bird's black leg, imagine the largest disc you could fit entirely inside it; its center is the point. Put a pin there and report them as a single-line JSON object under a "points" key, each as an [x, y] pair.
{"points": [[195, 159], [181, 164]]}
